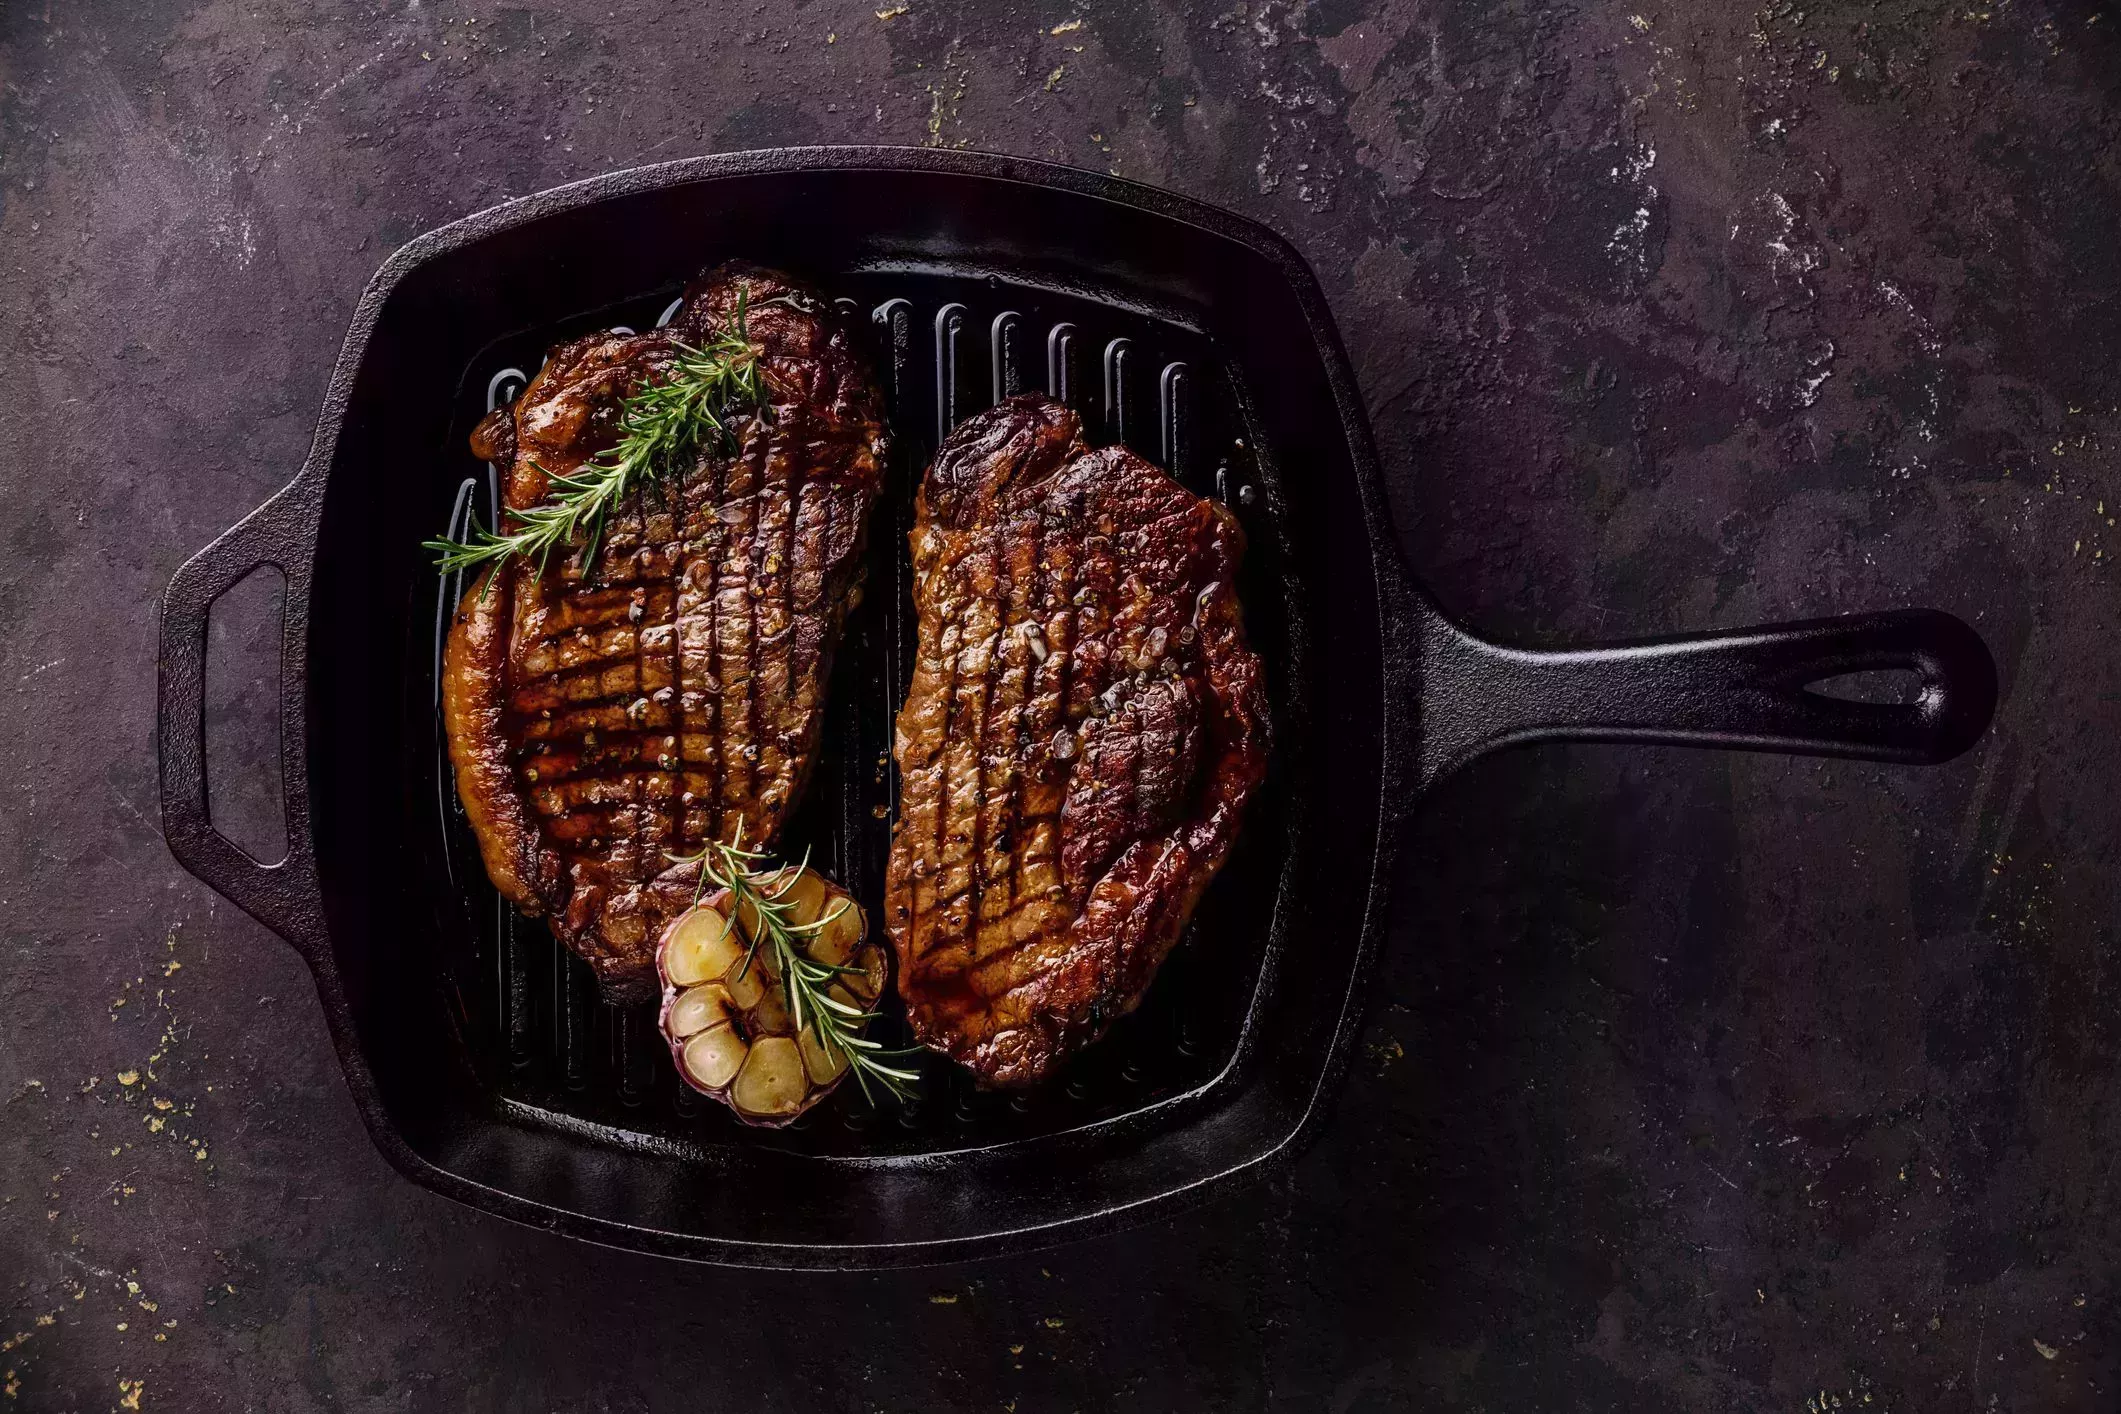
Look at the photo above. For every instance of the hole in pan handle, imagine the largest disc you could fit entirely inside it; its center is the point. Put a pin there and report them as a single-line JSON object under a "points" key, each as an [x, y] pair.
{"points": [[285, 897], [1752, 689]]}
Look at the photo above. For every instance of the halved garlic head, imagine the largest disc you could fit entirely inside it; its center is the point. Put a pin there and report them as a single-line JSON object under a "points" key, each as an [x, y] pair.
{"points": [[727, 1015]]}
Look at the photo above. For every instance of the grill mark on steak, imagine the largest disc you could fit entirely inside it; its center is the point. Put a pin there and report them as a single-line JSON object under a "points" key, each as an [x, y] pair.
{"points": [[704, 646], [600, 724], [1029, 590], [1085, 726], [673, 714]]}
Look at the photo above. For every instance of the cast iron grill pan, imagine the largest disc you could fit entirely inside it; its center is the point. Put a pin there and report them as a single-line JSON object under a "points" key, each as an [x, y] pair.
{"points": [[475, 1048]]}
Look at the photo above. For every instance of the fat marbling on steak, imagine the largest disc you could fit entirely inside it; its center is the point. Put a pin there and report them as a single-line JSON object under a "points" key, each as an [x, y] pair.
{"points": [[602, 721], [1085, 725]]}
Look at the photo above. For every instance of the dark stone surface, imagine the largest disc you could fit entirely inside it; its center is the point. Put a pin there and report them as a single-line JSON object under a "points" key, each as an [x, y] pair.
{"points": [[1693, 1081]]}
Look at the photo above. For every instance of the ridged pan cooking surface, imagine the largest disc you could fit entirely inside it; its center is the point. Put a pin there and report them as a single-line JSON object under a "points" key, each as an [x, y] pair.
{"points": [[946, 345]]}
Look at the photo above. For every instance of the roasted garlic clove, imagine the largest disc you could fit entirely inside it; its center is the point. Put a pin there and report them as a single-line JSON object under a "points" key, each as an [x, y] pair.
{"points": [[803, 892], [699, 946], [770, 1014], [868, 984], [821, 1062], [772, 1084], [698, 1008], [746, 984], [711, 1059], [727, 1015], [841, 934]]}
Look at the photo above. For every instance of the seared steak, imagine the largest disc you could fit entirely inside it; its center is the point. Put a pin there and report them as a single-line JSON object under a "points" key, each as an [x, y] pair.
{"points": [[601, 721], [1085, 725]]}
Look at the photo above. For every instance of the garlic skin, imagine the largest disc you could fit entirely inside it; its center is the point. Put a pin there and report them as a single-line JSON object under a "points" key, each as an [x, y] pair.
{"points": [[725, 1012]]}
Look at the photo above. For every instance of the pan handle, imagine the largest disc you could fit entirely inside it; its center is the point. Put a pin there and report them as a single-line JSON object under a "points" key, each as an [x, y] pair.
{"points": [[1753, 689], [286, 896]]}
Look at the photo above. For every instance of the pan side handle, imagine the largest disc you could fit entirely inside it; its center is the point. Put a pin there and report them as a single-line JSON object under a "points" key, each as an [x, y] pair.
{"points": [[284, 896], [1753, 689]]}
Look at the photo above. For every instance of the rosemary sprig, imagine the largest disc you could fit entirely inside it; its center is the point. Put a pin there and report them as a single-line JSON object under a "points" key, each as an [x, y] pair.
{"points": [[838, 1024], [662, 424]]}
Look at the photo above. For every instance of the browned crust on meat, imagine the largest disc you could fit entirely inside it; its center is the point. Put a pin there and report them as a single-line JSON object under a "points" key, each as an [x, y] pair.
{"points": [[1085, 725], [599, 725], [474, 692]]}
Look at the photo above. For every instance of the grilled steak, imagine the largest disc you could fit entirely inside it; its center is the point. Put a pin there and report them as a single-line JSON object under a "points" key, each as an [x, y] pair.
{"points": [[1085, 725], [600, 722]]}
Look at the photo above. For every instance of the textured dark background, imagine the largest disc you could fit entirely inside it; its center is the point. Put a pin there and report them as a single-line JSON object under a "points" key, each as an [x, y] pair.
{"points": [[1692, 1081]]}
